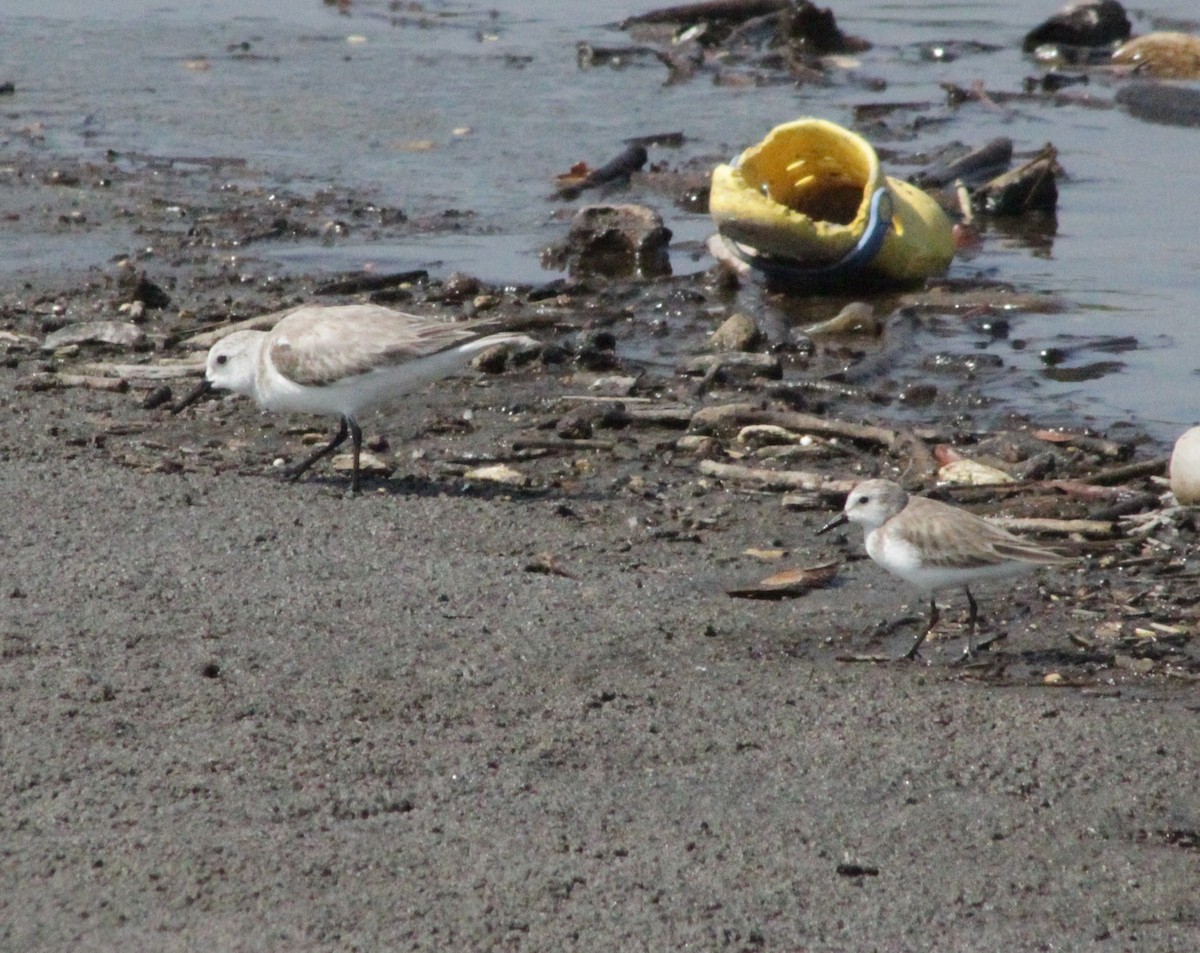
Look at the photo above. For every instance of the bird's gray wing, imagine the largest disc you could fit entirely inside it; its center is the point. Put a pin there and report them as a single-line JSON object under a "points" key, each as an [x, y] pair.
{"points": [[318, 346], [949, 537]]}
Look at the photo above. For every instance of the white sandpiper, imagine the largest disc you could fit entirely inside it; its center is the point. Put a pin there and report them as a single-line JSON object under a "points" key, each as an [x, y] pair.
{"points": [[933, 545], [344, 360]]}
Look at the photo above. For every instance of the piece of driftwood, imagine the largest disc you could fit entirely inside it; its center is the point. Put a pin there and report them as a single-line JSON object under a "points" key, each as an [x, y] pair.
{"points": [[675, 418], [824, 497], [1032, 186], [356, 284], [736, 10], [113, 385], [1089, 444], [1130, 471], [729, 416], [602, 399], [1092, 529], [752, 365], [618, 169], [163, 371], [978, 165], [764, 479]]}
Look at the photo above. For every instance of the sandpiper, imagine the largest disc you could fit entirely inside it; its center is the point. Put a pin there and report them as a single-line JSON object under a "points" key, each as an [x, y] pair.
{"points": [[344, 360], [933, 545]]}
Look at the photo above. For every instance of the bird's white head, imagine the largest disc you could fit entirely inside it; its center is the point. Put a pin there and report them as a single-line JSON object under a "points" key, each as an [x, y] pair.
{"points": [[232, 362], [874, 502]]}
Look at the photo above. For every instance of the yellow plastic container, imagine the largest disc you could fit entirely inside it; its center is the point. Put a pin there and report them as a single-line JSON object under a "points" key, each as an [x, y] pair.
{"points": [[810, 203]]}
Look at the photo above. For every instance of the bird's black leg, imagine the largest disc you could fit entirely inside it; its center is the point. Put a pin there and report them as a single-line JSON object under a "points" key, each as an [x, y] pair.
{"points": [[338, 439], [356, 440], [972, 619], [934, 616]]}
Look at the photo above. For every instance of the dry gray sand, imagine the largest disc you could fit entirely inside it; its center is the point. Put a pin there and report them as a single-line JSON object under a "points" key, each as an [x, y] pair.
{"points": [[246, 715]]}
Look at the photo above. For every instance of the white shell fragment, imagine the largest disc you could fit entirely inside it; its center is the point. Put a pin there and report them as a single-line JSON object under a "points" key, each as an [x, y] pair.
{"points": [[972, 473], [1185, 468]]}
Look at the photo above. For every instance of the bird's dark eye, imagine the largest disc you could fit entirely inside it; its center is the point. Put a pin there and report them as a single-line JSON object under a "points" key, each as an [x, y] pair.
{"points": [[222, 358], [864, 499]]}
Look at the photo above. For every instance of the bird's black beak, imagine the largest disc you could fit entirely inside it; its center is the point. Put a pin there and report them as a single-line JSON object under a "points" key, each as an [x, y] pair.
{"points": [[203, 388], [836, 521]]}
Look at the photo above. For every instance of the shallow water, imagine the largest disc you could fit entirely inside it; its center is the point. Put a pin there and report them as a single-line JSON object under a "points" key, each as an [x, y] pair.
{"points": [[461, 108]]}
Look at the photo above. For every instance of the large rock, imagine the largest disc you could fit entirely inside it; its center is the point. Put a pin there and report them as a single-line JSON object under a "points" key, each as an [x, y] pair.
{"points": [[738, 332], [617, 241], [1096, 24]]}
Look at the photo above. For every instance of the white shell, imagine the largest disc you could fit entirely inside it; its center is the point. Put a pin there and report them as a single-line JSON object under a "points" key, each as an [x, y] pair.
{"points": [[972, 473], [1185, 468]]}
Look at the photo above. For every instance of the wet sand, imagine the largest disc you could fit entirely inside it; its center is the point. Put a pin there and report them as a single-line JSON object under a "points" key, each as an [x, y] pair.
{"points": [[243, 714]]}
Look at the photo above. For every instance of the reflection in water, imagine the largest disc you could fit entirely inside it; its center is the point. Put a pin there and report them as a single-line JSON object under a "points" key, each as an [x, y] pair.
{"points": [[1035, 231]]}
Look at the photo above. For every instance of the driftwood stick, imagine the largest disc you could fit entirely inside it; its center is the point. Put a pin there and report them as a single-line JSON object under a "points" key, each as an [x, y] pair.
{"points": [[728, 416], [770, 479], [751, 365], [1130, 471], [735, 10], [114, 385], [166, 370], [1093, 529]]}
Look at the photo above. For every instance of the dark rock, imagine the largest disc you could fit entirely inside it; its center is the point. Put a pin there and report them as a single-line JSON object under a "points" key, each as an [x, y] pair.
{"points": [[1041, 466], [460, 286], [555, 353], [976, 166], [807, 28], [135, 286], [617, 240], [738, 332], [707, 11], [157, 397], [1031, 188], [1168, 105], [1102, 23], [580, 423], [494, 359], [918, 395], [551, 289], [597, 351], [576, 425], [1053, 81]]}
